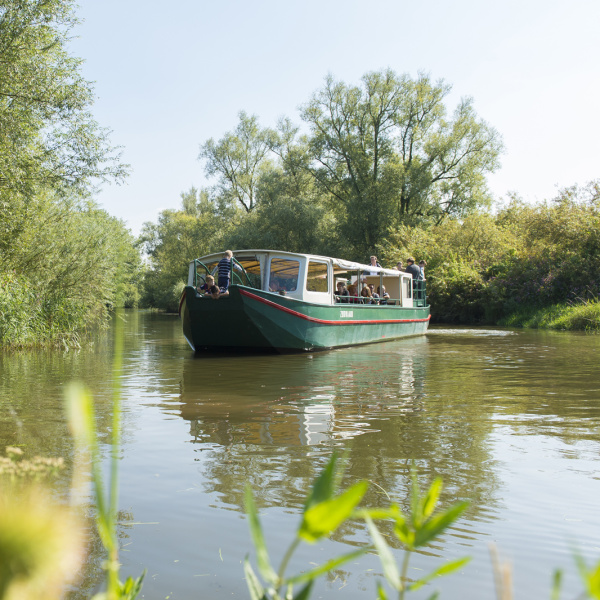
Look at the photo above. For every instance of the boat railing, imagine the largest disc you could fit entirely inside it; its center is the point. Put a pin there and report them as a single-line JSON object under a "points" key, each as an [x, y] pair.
{"points": [[198, 263], [237, 275], [237, 278], [419, 292]]}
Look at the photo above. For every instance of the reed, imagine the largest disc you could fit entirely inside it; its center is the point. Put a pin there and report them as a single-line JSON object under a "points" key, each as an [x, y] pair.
{"points": [[82, 420]]}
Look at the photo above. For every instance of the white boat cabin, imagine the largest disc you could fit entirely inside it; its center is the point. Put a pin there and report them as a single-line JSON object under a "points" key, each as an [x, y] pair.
{"points": [[305, 277]]}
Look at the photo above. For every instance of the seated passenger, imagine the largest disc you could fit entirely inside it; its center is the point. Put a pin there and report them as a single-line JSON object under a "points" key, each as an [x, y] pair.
{"points": [[383, 295], [353, 293], [366, 294], [203, 289], [341, 291], [374, 294]]}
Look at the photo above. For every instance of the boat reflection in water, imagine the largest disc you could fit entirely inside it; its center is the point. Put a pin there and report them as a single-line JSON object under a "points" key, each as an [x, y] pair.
{"points": [[297, 400]]}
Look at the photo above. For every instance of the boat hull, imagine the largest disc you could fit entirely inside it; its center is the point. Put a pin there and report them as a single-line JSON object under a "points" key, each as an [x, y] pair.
{"points": [[256, 320]]}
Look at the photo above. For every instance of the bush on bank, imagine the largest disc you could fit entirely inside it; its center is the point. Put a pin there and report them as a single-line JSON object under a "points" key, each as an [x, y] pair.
{"points": [[525, 260], [62, 270]]}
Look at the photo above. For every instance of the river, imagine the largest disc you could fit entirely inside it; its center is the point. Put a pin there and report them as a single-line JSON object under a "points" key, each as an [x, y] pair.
{"points": [[508, 418]]}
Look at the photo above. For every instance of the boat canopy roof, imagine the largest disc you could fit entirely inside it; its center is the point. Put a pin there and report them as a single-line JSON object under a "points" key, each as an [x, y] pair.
{"points": [[338, 263]]}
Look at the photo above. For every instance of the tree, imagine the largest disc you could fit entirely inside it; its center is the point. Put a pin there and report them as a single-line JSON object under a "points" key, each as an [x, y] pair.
{"points": [[177, 238], [386, 153], [49, 137], [238, 159]]}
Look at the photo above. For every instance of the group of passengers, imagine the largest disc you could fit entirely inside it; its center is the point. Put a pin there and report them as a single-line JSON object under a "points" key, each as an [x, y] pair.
{"points": [[417, 271], [368, 295]]}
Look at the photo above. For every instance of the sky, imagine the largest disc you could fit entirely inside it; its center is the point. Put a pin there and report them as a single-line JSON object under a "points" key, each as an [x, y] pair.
{"points": [[169, 76]]}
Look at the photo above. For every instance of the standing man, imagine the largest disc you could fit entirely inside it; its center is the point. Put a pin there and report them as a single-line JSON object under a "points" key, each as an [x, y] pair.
{"points": [[412, 268], [399, 266], [374, 263], [416, 275]]}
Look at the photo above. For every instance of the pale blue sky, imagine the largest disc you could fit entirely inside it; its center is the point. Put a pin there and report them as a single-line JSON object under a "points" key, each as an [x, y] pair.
{"points": [[168, 76]]}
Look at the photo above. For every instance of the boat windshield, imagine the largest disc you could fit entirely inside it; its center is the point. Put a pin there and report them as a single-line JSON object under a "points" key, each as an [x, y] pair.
{"points": [[245, 272]]}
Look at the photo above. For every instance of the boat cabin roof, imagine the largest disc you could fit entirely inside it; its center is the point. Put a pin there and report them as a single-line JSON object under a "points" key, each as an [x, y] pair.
{"points": [[340, 265]]}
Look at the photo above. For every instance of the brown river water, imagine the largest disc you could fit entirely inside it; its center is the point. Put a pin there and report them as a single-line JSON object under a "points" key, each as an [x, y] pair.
{"points": [[510, 420]]}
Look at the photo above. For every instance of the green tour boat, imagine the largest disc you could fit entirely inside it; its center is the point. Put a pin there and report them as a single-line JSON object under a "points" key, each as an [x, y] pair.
{"points": [[289, 302]]}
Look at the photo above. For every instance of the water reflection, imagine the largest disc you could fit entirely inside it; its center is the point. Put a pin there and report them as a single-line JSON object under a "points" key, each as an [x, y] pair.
{"points": [[273, 420]]}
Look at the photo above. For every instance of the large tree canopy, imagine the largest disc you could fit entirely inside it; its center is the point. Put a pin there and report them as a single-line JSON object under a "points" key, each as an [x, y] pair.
{"points": [[373, 157], [387, 153], [49, 138], [238, 160]]}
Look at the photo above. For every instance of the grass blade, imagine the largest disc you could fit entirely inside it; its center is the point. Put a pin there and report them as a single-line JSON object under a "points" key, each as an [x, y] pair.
{"points": [[328, 566], [254, 587], [262, 555], [390, 570], [439, 523], [445, 569]]}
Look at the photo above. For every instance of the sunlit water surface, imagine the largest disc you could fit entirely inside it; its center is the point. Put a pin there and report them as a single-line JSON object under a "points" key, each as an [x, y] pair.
{"points": [[509, 420]]}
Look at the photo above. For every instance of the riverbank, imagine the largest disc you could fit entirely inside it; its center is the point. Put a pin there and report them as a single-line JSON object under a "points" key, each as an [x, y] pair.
{"points": [[583, 316]]}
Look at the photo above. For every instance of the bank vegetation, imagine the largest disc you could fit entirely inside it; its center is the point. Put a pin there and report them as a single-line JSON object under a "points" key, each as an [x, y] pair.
{"points": [[63, 261]]}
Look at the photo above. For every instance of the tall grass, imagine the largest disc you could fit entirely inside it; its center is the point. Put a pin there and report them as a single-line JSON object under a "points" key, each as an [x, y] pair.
{"points": [[583, 315]]}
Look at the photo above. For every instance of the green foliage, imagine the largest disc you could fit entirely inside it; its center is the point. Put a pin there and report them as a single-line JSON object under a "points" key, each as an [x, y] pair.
{"points": [[61, 271], [323, 513], [533, 265], [417, 529], [238, 159], [387, 154], [177, 238], [583, 316], [49, 137], [377, 155], [325, 510], [62, 260]]}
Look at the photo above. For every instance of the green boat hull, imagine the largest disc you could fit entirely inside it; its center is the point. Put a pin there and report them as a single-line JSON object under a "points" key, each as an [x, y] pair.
{"points": [[256, 320]]}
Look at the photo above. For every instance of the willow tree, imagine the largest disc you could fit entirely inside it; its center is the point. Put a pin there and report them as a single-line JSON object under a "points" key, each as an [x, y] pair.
{"points": [[49, 136], [238, 159], [387, 153], [53, 241]]}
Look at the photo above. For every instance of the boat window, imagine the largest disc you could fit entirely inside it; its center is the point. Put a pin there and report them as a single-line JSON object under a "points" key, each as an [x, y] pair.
{"points": [[283, 275], [407, 287], [316, 278]]}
